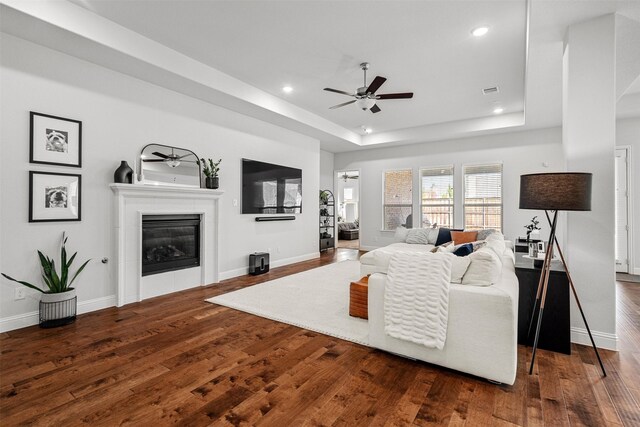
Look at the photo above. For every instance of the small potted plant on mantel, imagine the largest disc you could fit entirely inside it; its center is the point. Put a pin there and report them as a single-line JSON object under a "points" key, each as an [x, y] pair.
{"points": [[58, 304], [533, 230], [210, 171]]}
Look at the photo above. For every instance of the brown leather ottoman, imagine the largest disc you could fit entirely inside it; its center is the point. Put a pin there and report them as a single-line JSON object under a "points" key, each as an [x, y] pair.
{"points": [[359, 298]]}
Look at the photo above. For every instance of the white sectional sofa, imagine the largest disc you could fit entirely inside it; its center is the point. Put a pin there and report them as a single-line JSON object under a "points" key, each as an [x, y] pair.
{"points": [[482, 324]]}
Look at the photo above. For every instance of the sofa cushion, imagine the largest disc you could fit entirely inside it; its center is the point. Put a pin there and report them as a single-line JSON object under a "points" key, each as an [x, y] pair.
{"points": [[497, 246], [460, 237], [459, 267], [485, 268]]}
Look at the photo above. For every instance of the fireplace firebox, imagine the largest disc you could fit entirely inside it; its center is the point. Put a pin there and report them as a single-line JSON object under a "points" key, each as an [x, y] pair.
{"points": [[170, 242]]}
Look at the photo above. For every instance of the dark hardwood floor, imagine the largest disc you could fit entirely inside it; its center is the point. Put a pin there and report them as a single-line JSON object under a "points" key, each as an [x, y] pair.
{"points": [[179, 360]]}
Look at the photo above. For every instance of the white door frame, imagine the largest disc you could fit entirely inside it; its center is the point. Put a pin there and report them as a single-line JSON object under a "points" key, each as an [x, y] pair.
{"points": [[630, 260], [335, 190]]}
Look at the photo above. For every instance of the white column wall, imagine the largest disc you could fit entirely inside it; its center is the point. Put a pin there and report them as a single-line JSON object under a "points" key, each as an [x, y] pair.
{"points": [[588, 138]]}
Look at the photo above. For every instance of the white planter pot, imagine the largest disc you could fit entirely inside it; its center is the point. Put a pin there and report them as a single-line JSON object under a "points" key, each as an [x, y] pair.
{"points": [[58, 306]]}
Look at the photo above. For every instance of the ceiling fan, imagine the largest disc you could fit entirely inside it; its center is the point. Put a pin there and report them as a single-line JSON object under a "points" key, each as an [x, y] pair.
{"points": [[346, 176], [365, 96], [172, 160]]}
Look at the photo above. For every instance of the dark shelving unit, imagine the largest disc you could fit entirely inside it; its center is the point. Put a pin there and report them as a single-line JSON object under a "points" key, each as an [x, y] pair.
{"points": [[327, 220]]}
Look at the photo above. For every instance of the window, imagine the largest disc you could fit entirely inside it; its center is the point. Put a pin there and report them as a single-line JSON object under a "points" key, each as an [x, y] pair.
{"points": [[436, 197], [398, 201], [483, 197]]}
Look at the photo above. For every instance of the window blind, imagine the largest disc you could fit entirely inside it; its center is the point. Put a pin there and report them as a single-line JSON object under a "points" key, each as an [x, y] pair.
{"points": [[483, 197], [436, 190]]}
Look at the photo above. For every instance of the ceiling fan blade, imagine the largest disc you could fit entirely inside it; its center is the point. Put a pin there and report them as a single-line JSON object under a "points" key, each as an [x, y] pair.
{"points": [[375, 84], [156, 153], [153, 160], [338, 91], [374, 109], [342, 105], [395, 95]]}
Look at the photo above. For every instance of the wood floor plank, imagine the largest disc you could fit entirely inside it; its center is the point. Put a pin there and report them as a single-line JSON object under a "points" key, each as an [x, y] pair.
{"points": [[177, 359], [440, 402]]}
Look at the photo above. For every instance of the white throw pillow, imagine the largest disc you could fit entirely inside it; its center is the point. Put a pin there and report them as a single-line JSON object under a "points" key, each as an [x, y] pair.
{"points": [[401, 234], [432, 235], [483, 234], [446, 247], [459, 267], [418, 236], [485, 268]]}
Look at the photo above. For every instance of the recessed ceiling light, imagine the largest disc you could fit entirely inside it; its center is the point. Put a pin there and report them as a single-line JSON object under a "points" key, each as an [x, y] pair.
{"points": [[480, 31], [287, 89], [498, 110], [366, 129]]}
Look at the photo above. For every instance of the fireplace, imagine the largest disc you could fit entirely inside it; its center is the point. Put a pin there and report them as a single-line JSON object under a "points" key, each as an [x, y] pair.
{"points": [[170, 242]]}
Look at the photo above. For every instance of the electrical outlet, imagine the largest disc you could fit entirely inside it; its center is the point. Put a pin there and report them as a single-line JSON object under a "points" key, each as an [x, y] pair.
{"points": [[235, 202], [19, 294], [278, 249]]}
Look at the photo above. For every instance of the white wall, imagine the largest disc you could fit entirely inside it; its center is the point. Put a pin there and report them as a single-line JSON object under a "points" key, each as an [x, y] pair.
{"points": [[588, 127], [326, 170], [120, 115], [628, 134], [520, 153]]}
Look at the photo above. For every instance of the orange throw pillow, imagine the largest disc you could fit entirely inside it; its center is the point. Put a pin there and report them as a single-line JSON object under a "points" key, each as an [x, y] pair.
{"points": [[460, 237]]}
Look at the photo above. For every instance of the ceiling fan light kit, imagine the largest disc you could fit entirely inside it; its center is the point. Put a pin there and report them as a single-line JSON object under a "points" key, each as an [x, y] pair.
{"points": [[365, 96]]}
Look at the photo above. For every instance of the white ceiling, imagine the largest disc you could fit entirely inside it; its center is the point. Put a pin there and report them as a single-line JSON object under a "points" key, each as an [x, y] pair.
{"points": [[420, 46], [425, 47]]}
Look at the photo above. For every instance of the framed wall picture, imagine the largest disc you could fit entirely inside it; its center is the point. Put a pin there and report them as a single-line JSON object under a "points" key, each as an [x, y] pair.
{"points": [[54, 196], [55, 140]]}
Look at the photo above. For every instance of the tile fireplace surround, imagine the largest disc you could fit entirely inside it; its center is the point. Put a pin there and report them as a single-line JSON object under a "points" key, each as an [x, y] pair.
{"points": [[134, 201]]}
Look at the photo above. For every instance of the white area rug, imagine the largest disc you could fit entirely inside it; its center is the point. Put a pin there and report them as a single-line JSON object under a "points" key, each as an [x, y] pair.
{"points": [[316, 299]]}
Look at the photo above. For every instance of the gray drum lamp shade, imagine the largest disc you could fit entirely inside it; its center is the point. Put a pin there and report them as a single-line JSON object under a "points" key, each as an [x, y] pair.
{"points": [[564, 191]]}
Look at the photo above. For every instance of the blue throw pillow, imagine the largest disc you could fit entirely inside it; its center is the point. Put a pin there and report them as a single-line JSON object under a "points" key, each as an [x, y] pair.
{"points": [[464, 250]]}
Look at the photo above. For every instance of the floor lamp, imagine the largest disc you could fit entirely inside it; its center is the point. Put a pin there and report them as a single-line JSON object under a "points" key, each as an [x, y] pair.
{"points": [[553, 192]]}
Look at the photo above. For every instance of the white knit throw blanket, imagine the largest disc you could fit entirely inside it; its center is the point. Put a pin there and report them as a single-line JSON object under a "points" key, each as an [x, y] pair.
{"points": [[416, 298]]}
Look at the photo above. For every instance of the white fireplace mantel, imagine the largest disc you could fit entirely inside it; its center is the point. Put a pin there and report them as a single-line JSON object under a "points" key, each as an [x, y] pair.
{"points": [[134, 201]]}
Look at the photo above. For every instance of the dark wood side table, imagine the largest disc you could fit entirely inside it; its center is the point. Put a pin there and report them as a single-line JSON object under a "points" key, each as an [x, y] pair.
{"points": [[555, 332]]}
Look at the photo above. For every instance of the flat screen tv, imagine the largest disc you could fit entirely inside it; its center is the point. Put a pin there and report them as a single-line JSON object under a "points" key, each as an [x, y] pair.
{"points": [[270, 189]]}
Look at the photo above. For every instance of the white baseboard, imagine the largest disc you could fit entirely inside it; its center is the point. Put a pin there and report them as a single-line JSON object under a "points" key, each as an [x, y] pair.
{"points": [[29, 319], [603, 339], [636, 271], [229, 274], [96, 304]]}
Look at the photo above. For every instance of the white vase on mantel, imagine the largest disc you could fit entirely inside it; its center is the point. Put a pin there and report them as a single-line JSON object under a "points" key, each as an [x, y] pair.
{"points": [[535, 235]]}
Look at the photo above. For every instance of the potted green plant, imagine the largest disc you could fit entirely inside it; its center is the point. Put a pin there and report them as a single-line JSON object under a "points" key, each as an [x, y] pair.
{"points": [[58, 301], [533, 230], [324, 197], [210, 170]]}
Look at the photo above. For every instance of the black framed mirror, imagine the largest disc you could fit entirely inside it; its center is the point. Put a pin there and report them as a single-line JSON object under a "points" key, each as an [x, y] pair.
{"points": [[167, 165]]}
